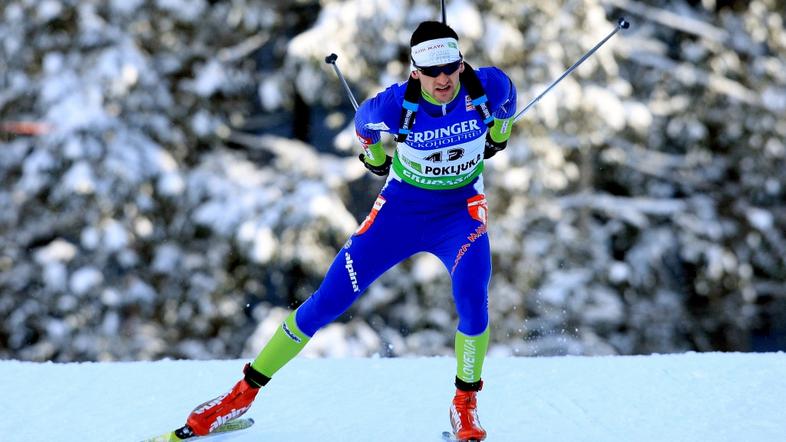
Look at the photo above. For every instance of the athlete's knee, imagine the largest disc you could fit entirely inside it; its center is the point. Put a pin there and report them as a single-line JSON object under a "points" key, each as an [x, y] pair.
{"points": [[473, 312], [473, 324], [322, 308]]}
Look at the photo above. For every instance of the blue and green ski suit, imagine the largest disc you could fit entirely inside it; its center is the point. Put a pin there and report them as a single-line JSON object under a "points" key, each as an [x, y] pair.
{"points": [[432, 201]]}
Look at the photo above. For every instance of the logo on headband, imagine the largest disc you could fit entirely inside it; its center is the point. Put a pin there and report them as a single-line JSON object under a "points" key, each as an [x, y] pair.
{"points": [[436, 52]]}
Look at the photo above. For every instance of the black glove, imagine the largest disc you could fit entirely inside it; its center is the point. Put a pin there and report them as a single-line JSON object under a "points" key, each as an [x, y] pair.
{"points": [[492, 147], [381, 170]]}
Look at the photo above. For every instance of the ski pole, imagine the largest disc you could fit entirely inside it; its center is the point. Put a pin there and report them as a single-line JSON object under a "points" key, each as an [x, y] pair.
{"points": [[331, 59], [621, 24]]}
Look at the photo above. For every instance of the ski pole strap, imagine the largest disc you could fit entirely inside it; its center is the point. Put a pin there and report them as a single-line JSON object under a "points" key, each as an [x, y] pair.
{"points": [[408, 109], [469, 78]]}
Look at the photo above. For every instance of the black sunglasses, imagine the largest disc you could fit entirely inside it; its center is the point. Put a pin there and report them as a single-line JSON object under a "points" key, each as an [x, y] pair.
{"points": [[434, 71]]}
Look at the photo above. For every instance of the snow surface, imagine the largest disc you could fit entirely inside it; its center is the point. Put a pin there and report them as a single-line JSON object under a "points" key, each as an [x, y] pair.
{"points": [[686, 397]]}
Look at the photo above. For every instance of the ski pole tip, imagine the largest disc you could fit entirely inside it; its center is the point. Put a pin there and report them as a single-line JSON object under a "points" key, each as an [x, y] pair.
{"points": [[623, 23], [331, 59]]}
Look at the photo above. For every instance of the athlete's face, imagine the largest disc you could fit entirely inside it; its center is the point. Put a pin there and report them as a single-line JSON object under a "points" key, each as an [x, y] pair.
{"points": [[442, 86]]}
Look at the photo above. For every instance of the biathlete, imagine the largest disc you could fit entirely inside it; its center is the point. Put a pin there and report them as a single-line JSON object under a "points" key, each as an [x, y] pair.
{"points": [[447, 119]]}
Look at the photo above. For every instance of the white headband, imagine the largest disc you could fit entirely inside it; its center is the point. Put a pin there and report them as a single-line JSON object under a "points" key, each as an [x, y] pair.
{"points": [[436, 52]]}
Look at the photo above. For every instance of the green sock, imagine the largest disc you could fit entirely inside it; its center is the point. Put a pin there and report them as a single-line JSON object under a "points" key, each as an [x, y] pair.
{"points": [[470, 353], [285, 344]]}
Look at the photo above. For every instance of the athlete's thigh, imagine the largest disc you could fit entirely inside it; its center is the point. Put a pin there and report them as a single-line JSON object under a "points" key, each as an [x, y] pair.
{"points": [[380, 242], [465, 251]]}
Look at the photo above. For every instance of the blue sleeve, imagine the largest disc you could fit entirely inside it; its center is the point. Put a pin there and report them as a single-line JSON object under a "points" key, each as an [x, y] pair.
{"points": [[379, 114], [500, 91]]}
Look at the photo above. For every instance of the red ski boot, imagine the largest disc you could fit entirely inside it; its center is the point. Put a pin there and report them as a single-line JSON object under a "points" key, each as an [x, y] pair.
{"points": [[464, 414], [212, 414]]}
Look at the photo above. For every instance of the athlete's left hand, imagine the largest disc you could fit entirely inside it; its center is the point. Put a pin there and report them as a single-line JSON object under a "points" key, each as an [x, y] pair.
{"points": [[492, 147]]}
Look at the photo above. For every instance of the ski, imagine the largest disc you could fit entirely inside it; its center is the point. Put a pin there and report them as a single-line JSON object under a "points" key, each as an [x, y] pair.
{"points": [[233, 425], [447, 436]]}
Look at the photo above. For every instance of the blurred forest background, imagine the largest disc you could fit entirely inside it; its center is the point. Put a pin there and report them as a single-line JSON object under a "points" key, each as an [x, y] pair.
{"points": [[177, 174]]}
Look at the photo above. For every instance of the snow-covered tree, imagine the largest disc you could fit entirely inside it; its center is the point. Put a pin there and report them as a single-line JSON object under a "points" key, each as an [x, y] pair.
{"points": [[175, 171]]}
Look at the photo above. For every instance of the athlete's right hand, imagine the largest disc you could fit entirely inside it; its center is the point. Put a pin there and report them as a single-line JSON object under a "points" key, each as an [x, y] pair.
{"points": [[381, 170]]}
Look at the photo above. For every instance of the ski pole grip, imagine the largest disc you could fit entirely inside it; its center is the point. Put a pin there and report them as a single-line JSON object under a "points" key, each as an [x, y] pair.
{"points": [[622, 23], [331, 59]]}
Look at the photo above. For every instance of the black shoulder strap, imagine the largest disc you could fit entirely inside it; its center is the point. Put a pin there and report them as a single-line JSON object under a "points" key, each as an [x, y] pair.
{"points": [[408, 109], [476, 92]]}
